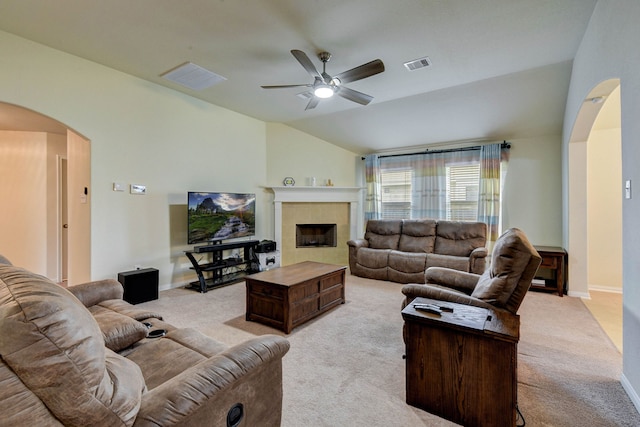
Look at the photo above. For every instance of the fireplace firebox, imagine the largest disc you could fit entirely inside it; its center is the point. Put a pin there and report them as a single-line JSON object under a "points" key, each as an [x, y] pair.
{"points": [[316, 235]]}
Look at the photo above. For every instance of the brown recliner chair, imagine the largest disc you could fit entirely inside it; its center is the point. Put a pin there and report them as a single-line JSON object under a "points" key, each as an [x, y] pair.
{"points": [[514, 263]]}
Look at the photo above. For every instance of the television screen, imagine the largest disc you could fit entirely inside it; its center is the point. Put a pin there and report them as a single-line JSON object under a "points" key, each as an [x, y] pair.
{"points": [[219, 216]]}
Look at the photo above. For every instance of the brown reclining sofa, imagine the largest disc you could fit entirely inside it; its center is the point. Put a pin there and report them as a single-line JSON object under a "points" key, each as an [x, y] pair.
{"points": [[401, 250], [82, 357]]}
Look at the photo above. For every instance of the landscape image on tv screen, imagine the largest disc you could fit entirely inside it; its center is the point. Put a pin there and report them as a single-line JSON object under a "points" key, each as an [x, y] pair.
{"points": [[219, 216]]}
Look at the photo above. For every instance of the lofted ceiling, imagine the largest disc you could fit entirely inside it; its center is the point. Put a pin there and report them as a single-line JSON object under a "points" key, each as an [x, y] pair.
{"points": [[500, 69]]}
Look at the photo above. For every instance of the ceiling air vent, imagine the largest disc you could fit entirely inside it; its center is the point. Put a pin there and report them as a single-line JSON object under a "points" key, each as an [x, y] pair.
{"points": [[418, 63], [193, 76]]}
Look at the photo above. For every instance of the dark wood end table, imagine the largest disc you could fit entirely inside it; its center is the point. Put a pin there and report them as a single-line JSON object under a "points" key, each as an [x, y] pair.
{"points": [[462, 365], [554, 259]]}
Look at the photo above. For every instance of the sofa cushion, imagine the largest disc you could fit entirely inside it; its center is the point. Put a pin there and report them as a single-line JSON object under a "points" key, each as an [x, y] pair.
{"points": [[456, 262], [509, 260], [418, 235], [373, 258], [19, 406], [53, 344], [185, 347], [407, 262], [119, 331], [134, 311], [459, 238], [383, 234]]}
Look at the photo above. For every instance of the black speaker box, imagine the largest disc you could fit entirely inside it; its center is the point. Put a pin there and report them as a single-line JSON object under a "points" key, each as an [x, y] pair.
{"points": [[139, 285]]}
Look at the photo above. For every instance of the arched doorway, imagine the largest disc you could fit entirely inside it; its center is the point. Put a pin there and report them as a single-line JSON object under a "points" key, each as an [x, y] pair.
{"points": [[595, 198], [34, 150]]}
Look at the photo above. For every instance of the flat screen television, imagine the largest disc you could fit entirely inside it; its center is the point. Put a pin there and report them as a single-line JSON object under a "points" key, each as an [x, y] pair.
{"points": [[216, 216]]}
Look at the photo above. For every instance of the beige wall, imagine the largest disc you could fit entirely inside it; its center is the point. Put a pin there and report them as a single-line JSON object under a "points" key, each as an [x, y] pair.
{"points": [[301, 156], [533, 189], [604, 207]]}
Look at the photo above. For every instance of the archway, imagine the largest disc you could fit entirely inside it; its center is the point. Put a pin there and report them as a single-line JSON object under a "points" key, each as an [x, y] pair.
{"points": [[594, 237], [32, 149]]}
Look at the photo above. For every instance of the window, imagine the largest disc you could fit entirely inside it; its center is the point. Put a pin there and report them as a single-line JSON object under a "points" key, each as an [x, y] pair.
{"points": [[462, 192], [396, 193], [462, 187]]}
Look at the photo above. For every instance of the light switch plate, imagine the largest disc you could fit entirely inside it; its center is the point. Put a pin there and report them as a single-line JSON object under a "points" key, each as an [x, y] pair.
{"points": [[627, 189], [118, 186]]}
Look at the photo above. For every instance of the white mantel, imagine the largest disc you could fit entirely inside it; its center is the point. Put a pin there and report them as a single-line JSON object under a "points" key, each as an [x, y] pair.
{"points": [[319, 194]]}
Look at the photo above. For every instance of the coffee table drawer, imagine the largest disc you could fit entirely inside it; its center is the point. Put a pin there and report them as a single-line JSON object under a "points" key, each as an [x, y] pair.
{"points": [[269, 291], [332, 296], [331, 280], [303, 290]]}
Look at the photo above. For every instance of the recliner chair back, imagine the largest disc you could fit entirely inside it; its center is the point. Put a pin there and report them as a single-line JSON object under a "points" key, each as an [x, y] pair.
{"points": [[514, 263]]}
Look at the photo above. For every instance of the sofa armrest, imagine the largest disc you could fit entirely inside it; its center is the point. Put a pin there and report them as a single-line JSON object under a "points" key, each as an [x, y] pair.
{"points": [[479, 253], [478, 260], [249, 374], [450, 278], [92, 293], [439, 293], [358, 243]]}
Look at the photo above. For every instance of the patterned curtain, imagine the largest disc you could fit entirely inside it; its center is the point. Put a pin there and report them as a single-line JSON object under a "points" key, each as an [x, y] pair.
{"points": [[429, 197], [493, 167], [373, 198]]}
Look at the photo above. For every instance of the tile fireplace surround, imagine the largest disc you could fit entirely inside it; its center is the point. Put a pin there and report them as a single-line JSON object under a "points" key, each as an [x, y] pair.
{"points": [[316, 205]]}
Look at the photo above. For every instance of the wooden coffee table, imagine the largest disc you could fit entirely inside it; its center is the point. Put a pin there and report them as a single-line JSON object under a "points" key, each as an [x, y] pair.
{"points": [[289, 296]]}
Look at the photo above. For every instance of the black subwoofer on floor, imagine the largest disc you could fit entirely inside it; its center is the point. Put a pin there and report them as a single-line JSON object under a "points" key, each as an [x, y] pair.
{"points": [[139, 285]]}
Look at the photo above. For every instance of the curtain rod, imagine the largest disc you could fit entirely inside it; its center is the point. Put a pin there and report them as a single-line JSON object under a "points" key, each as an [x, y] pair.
{"points": [[504, 145]]}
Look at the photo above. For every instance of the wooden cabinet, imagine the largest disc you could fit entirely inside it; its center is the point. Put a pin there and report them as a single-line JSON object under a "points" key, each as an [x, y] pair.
{"points": [[462, 365], [554, 259], [287, 297]]}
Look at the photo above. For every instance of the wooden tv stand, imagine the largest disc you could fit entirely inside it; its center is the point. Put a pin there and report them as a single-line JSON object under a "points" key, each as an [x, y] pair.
{"points": [[216, 270]]}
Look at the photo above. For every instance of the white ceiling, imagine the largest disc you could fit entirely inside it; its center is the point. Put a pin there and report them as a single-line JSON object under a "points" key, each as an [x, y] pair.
{"points": [[500, 68]]}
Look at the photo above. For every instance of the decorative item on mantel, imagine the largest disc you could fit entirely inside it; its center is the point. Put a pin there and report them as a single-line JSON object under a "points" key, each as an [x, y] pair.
{"points": [[289, 182], [329, 182]]}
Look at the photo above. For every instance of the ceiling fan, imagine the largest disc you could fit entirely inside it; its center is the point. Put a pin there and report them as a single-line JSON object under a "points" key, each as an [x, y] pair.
{"points": [[325, 86]]}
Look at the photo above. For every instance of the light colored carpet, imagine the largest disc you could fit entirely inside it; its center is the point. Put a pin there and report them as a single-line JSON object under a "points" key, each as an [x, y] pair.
{"points": [[346, 368]]}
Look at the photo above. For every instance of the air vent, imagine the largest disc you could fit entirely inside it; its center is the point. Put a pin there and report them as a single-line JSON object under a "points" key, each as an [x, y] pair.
{"points": [[193, 76], [418, 63]]}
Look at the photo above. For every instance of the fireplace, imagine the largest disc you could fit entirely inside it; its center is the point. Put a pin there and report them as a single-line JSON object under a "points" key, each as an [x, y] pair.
{"points": [[313, 206], [316, 235]]}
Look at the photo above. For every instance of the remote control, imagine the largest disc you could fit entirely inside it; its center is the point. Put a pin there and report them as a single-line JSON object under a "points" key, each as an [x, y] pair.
{"points": [[429, 308]]}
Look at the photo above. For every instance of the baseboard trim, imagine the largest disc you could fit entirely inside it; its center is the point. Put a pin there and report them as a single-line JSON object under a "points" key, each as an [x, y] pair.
{"points": [[605, 289], [173, 286], [579, 294], [631, 392]]}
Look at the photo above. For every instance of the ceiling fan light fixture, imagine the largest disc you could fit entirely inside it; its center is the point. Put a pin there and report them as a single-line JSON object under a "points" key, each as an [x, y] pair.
{"points": [[323, 91]]}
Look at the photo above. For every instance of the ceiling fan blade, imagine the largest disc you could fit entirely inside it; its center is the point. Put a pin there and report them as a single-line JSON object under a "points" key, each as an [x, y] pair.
{"points": [[285, 86], [354, 95], [312, 103], [362, 72], [306, 63]]}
